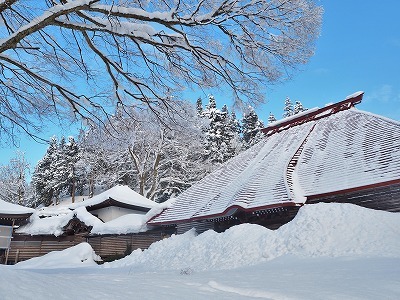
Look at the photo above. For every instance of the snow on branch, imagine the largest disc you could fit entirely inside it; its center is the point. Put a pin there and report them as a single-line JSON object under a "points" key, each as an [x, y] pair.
{"points": [[145, 54]]}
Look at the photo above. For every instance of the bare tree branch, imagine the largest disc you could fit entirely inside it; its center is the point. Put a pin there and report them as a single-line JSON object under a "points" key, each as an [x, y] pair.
{"points": [[66, 53]]}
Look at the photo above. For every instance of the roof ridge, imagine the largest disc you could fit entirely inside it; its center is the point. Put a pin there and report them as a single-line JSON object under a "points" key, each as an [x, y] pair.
{"points": [[313, 114]]}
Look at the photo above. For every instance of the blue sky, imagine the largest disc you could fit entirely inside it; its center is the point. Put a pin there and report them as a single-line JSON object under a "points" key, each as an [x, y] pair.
{"points": [[359, 49]]}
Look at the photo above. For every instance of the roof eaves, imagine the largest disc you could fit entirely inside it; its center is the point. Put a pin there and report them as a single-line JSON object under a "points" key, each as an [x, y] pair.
{"points": [[229, 211]]}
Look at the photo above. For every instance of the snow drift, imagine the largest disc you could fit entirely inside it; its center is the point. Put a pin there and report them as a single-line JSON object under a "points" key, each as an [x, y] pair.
{"points": [[81, 255], [318, 230]]}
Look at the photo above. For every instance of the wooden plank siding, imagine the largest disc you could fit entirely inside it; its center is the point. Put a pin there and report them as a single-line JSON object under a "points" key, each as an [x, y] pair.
{"points": [[114, 246], [108, 247], [380, 198], [24, 247]]}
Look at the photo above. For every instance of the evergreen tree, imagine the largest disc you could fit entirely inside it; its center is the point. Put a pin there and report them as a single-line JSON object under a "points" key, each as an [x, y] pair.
{"points": [[288, 109], [222, 133], [215, 147], [55, 174], [43, 176], [72, 157], [59, 170], [298, 107], [212, 104], [271, 118], [199, 106], [251, 127]]}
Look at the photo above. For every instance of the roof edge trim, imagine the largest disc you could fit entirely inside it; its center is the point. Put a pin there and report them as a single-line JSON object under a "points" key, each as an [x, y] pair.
{"points": [[113, 202], [223, 214]]}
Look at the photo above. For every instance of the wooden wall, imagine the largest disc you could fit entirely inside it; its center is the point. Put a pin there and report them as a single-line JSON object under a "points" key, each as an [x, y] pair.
{"points": [[115, 246], [380, 198], [24, 247], [109, 247]]}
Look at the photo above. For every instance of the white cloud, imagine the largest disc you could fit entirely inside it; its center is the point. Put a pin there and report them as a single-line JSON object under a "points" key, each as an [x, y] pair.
{"points": [[384, 94]]}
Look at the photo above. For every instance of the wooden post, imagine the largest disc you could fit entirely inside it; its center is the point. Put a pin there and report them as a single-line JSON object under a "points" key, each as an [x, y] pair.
{"points": [[7, 252], [16, 256], [8, 249]]}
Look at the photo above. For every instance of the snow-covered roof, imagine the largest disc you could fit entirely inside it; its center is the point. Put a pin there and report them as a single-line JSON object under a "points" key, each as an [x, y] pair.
{"points": [[339, 151], [59, 219], [55, 224], [121, 194], [7, 208]]}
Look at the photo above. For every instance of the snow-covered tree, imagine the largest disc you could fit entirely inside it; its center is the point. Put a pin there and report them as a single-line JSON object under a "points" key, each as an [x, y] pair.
{"points": [[43, 175], [199, 106], [288, 108], [298, 107], [55, 174], [271, 118], [13, 183], [156, 159], [251, 126], [222, 133], [71, 58]]}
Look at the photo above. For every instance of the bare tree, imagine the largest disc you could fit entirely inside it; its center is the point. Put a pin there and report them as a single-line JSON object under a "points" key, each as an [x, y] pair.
{"points": [[157, 160], [13, 183], [76, 58]]}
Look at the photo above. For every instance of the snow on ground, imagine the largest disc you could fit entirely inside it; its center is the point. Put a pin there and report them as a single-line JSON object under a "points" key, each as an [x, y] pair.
{"points": [[81, 255], [318, 230], [329, 251]]}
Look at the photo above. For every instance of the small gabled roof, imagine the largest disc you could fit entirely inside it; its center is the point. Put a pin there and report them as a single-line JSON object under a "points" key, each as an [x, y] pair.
{"points": [[10, 212], [121, 196], [328, 150]]}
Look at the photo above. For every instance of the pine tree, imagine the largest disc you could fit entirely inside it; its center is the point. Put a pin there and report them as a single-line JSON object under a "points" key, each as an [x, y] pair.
{"points": [[288, 109], [72, 155], [199, 106], [251, 127], [271, 118], [59, 171], [298, 107], [215, 147], [212, 104], [43, 176], [222, 133]]}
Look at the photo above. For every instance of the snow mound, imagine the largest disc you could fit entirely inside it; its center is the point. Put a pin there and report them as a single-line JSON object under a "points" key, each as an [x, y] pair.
{"points": [[81, 255], [318, 230]]}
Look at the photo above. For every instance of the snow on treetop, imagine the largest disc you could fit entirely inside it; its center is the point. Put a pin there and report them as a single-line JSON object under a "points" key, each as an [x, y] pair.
{"points": [[10, 208], [121, 193]]}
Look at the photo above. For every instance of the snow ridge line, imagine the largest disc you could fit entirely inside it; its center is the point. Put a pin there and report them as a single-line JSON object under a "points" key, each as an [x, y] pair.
{"points": [[291, 166]]}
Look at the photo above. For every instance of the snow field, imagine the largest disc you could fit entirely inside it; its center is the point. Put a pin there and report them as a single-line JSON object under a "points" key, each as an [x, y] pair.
{"points": [[329, 251], [318, 230]]}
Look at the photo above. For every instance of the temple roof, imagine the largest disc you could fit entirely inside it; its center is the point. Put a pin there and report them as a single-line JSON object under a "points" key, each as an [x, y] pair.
{"points": [[323, 151]]}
